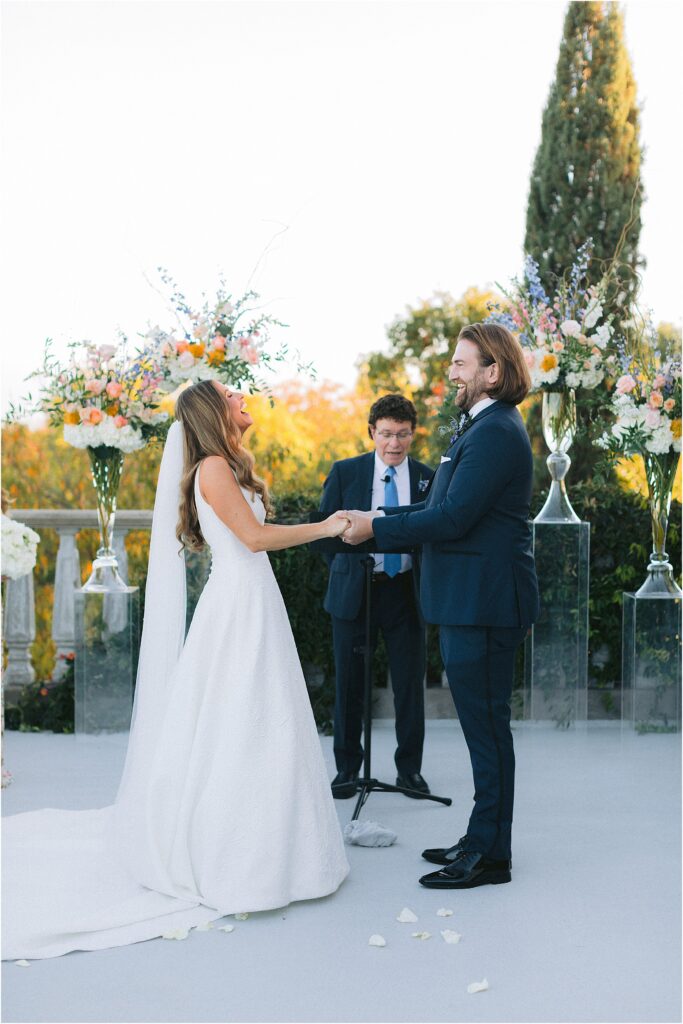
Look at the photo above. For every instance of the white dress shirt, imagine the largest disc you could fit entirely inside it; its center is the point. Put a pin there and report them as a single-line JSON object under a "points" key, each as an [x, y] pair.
{"points": [[483, 403], [402, 481]]}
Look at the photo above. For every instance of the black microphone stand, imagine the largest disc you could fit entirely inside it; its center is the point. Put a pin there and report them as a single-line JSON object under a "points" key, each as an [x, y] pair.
{"points": [[367, 784]]}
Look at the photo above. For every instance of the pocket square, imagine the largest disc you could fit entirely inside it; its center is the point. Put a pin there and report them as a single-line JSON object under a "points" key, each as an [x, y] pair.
{"points": [[445, 458]]}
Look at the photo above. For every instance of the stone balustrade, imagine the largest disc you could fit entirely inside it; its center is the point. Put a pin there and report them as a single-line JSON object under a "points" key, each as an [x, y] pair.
{"points": [[19, 619]]}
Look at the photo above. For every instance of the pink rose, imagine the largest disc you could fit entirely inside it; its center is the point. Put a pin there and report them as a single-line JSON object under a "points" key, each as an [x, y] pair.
{"points": [[95, 416], [529, 358], [186, 360], [669, 405], [625, 384], [120, 421], [656, 400], [659, 381], [114, 389], [252, 356], [95, 387], [219, 343]]}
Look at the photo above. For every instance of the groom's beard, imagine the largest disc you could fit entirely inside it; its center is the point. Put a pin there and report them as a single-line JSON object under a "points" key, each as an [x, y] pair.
{"points": [[469, 394]]}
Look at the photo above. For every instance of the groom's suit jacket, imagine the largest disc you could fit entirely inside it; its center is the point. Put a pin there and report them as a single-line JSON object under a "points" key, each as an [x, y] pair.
{"points": [[477, 565], [348, 486]]}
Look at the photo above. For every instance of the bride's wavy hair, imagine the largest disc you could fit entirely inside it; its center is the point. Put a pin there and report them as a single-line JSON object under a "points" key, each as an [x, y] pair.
{"points": [[208, 429]]}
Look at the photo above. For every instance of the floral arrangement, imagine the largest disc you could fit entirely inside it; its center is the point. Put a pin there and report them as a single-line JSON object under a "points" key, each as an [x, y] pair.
{"points": [[101, 398], [223, 340], [646, 405], [19, 544], [566, 338]]}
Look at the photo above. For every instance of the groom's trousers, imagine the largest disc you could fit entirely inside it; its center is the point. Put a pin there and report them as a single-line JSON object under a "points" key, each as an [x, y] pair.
{"points": [[479, 662]]}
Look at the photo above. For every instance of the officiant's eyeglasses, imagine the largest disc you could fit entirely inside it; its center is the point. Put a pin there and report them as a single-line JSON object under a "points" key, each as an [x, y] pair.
{"points": [[402, 435]]}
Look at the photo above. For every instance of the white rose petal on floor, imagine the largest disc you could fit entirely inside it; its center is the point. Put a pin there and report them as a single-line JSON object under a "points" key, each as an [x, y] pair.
{"points": [[377, 940], [477, 986], [422, 935], [407, 916], [450, 936], [444, 913]]}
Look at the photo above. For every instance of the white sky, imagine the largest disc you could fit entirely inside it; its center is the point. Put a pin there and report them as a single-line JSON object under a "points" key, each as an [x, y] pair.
{"points": [[392, 140]]}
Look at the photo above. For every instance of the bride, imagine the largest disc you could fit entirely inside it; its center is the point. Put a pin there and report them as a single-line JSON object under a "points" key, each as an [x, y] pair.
{"points": [[224, 805]]}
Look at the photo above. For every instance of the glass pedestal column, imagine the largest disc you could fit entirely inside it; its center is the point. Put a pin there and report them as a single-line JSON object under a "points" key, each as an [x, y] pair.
{"points": [[556, 651], [107, 640], [651, 663]]}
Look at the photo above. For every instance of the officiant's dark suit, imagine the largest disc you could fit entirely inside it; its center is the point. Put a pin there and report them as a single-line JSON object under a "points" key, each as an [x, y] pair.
{"points": [[352, 483], [478, 583]]}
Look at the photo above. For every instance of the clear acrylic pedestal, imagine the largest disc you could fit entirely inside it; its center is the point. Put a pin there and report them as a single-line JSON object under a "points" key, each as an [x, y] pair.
{"points": [[556, 651], [651, 663], [107, 640]]}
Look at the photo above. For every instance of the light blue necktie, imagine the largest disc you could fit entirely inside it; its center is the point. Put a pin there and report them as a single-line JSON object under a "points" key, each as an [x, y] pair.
{"points": [[392, 563]]}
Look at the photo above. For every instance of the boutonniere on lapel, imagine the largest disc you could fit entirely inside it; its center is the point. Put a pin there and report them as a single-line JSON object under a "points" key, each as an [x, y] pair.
{"points": [[459, 426], [422, 485]]}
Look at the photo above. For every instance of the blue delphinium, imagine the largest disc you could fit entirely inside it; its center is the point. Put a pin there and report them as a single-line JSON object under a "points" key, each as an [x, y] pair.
{"points": [[536, 290]]}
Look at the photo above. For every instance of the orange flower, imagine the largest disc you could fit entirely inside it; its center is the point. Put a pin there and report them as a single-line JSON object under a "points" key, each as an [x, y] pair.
{"points": [[112, 410], [676, 428], [72, 418], [180, 347], [95, 416], [216, 357], [549, 362], [197, 349]]}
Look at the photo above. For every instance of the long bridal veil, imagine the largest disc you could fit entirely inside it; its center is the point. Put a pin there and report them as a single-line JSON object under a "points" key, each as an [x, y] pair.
{"points": [[81, 879]]}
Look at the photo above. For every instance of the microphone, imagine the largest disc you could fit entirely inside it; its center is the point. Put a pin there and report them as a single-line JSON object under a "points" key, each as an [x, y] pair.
{"points": [[385, 479]]}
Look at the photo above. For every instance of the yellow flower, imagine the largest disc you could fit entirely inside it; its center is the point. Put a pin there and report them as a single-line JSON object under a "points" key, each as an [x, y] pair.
{"points": [[72, 418], [197, 349], [676, 428], [549, 362], [215, 357]]}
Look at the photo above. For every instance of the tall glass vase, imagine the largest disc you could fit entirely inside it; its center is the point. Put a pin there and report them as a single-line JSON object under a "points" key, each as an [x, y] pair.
{"points": [[660, 471], [106, 464], [559, 430]]}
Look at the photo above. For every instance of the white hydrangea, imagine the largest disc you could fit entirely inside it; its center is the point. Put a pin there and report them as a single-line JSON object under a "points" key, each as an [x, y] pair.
{"points": [[573, 379], [602, 336], [19, 545], [591, 378], [87, 435], [661, 439], [570, 328]]}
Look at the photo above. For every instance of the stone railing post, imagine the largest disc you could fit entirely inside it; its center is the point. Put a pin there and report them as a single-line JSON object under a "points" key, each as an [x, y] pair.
{"points": [[20, 632], [67, 581]]}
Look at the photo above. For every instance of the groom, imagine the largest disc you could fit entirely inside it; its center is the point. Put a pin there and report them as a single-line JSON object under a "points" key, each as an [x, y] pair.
{"points": [[478, 583]]}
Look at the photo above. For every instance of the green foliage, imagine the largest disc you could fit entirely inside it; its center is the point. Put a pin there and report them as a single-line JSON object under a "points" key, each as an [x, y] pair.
{"points": [[584, 182], [48, 706]]}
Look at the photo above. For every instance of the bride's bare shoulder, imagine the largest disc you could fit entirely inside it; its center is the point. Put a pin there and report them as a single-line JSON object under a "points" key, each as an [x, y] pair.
{"points": [[215, 475]]}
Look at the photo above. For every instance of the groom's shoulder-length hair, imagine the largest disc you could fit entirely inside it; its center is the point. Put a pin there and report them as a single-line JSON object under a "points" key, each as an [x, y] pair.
{"points": [[497, 345]]}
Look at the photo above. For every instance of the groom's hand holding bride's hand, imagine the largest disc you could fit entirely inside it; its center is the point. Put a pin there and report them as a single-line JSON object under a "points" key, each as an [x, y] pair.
{"points": [[337, 523], [360, 528]]}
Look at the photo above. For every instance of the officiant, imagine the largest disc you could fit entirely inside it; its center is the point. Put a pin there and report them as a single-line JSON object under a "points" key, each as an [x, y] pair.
{"points": [[385, 476]]}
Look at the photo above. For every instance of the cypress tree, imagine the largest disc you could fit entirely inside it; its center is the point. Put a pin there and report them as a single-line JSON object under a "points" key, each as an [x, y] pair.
{"points": [[585, 178]]}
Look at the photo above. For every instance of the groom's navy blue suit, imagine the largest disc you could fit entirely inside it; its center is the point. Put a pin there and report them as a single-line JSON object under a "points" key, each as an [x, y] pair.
{"points": [[478, 583]]}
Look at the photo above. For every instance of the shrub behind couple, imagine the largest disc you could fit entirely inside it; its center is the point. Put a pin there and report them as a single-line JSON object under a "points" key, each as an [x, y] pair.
{"points": [[224, 760]]}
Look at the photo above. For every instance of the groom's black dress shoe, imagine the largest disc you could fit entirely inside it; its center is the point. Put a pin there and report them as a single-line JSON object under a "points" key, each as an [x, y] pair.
{"points": [[444, 854], [468, 870], [413, 780], [344, 785]]}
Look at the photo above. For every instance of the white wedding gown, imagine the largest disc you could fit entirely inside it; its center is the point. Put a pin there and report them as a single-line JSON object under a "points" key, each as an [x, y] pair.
{"points": [[224, 806]]}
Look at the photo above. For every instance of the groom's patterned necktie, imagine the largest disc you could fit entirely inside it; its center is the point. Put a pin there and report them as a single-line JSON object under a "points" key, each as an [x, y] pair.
{"points": [[392, 563]]}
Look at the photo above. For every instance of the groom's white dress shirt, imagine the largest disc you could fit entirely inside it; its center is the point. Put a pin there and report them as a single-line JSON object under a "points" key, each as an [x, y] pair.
{"points": [[482, 404], [402, 481]]}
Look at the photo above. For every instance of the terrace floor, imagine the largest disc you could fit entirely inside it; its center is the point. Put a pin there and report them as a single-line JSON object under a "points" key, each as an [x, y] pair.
{"points": [[588, 930]]}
